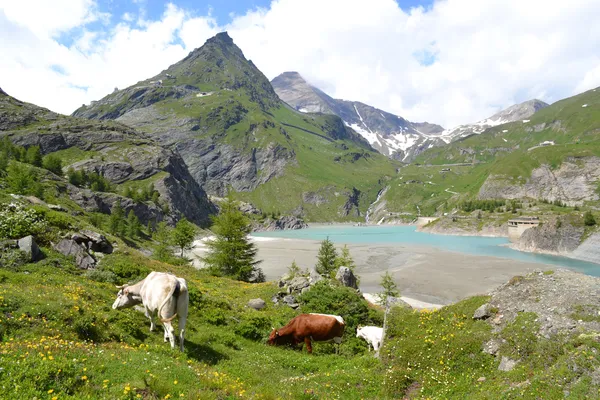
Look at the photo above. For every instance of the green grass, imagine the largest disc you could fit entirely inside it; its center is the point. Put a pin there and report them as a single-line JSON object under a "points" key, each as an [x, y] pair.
{"points": [[439, 356]]}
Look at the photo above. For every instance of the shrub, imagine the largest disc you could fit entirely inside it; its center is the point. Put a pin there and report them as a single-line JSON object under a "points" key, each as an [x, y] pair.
{"points": [[12, 259], [588, 219], [53, 163], [124, 268], [255, 327], [17, 221], [22, 179], [102, 276], [330, 298]]}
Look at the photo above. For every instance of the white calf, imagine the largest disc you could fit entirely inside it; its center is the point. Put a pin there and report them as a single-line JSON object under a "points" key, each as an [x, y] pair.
{"points": [[372, 334]]}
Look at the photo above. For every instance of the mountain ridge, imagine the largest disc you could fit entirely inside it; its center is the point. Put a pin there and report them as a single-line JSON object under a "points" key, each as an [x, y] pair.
{"points": [[222, 115], [516, 112], [390, 134]]}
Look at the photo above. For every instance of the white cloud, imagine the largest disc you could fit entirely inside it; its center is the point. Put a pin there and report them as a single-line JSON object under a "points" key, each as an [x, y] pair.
{"points": [[486, 55]]}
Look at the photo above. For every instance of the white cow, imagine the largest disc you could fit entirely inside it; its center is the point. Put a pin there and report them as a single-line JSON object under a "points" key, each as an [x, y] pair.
{"points": [[372, 334], [161, 294]]}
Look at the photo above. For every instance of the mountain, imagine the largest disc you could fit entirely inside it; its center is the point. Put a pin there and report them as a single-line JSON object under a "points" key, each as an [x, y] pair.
{"points": [[128, 159], [236, 136], [552, 156], [390, 134], [517, 112]]}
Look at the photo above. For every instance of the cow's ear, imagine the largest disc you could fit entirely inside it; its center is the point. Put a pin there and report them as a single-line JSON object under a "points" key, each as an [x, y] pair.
{"points": [[276, 333], [126, 291]]}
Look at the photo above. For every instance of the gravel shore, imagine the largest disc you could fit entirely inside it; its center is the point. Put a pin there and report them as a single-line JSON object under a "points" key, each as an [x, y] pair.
{"points": [[422, 273]]}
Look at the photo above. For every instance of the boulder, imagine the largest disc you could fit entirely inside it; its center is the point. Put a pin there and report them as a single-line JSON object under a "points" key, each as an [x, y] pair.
{"points": [[491, 347], [30, 247], [93, 241], [69, 247], [483, 312], [346, 277], [506, 364], [314, 277], [257, 304], [297, 284], [291, 301], [57, 207]]}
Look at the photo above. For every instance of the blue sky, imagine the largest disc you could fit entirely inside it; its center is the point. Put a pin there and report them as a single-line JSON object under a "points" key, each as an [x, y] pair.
{"points": [[444, 61], [221, 10]]}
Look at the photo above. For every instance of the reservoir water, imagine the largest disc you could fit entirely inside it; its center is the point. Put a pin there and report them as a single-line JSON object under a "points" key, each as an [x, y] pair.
{"points": [[476, 245]]}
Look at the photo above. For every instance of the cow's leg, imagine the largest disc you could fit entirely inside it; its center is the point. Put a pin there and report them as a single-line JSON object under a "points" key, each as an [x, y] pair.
{"points": [[308, 345], [376, 345], [170, 333], [166, 333], [181, 332], [150, 316], [338, 341]]}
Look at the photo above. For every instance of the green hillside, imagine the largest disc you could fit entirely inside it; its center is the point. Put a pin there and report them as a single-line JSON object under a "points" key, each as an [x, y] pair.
{"points": [[60, 339], [221, 114], [499, 163]]}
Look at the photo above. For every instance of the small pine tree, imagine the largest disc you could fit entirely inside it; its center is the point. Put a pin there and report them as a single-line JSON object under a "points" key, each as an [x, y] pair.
{"points": [[53, 163], [115, 222], [326, 258], [588, 219], [183, 234], [345, 259], [231, 253], [162, 236], [390, 289], [134, 228], [293, 269], [34, 157], [3, 163], [21, 179]]}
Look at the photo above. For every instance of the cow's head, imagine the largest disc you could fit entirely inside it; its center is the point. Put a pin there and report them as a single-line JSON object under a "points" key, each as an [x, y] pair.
{"points": [[273, 337], [125, 299]]}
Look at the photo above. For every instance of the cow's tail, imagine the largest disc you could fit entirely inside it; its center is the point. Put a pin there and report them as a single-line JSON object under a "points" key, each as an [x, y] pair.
{"points": [[174, 288]]}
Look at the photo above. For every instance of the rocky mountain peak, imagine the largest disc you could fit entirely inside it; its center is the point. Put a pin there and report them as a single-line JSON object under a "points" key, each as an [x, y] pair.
{"points": [[390, 134], [516, 112]]}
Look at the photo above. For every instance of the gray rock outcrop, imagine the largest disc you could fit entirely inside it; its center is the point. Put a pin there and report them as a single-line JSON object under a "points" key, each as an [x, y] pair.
{"points": [[93, 241], [506, 364], [346, 277], [30, 247], [257, 304], [483, 312], [573, 183], [69, 247], [282, 223], [554, 236], [589, 250]]}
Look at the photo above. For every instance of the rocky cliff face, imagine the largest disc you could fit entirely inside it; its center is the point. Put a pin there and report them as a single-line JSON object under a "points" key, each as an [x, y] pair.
{"points": [[219, 112], [517, 112], [589, 250], [118, 152], [390, 134], [574, 182], [554, 237]]}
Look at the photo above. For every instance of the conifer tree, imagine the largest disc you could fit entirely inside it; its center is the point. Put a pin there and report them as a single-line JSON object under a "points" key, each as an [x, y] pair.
{"points": [[345, 259], [162, 236], [390, 289], [115, 222], [134, 228], [231, 253], [33, 156], [326, 258], [183, 234]]}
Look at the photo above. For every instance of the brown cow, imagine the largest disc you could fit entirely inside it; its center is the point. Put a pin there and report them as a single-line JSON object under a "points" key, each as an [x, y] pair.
{"points": [[307, 327]]}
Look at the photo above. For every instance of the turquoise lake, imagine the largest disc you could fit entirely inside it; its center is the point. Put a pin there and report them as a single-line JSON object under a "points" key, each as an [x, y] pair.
{"points": [[483, 246]]}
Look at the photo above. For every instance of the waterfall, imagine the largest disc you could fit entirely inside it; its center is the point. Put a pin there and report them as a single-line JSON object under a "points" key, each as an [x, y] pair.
{"points": [[370, 209]]}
